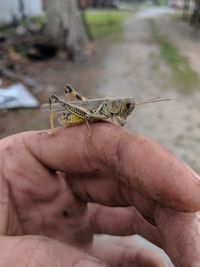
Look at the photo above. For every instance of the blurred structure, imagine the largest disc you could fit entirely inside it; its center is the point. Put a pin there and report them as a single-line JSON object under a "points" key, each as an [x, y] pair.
{"points": [[191, 12], [10, 9], [195, 18], [65, 27]]}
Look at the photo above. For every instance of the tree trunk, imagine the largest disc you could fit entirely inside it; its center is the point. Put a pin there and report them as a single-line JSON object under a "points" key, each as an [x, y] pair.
{"points": [[65, 26]]}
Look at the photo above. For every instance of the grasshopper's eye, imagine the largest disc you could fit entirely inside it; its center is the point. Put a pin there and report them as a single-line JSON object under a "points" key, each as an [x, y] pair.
{"points": [[128, 105]]}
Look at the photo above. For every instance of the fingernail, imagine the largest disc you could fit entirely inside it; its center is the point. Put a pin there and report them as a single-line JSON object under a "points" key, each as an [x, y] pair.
{"points": [[195, 175]]}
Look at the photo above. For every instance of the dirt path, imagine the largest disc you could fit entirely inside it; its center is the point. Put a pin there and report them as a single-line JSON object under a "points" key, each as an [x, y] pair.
{"points": [[134, 67]]}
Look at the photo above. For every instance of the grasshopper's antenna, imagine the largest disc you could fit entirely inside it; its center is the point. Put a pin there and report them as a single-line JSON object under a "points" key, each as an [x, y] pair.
{"points": [[153, 100]]}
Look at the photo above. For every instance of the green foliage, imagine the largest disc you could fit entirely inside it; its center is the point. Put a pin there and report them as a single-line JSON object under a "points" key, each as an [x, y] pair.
{"points": [[183, 75], [103, 22], [39, 20], [6, 31]]}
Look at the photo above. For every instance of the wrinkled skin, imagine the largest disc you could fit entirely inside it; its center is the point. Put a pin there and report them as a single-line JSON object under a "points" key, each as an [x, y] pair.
{"points": [[57, 191]]}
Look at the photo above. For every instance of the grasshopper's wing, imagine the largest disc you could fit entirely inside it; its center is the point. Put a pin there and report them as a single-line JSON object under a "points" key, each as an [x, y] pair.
{"points": [[89, 104], [56, 107]]}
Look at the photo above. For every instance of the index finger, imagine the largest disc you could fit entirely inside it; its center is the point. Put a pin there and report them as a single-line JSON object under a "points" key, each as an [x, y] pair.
{"points": [[138, 161]]}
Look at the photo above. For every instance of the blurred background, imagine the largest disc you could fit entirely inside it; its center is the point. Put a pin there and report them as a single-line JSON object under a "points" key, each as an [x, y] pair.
{"points": [[137, 48]]}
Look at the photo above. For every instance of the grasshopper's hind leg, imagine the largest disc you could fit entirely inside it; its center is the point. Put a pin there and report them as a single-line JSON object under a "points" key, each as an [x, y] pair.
{"points": [[69, 90], [52, 99], [51, 115]]}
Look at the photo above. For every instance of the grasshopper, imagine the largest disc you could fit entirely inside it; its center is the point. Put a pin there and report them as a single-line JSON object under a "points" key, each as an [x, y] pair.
{"points": [[89, 110]]}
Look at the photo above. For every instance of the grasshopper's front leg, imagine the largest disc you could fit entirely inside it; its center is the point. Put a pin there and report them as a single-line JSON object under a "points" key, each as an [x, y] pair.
{"points": [[101, 113], [120, 120]]}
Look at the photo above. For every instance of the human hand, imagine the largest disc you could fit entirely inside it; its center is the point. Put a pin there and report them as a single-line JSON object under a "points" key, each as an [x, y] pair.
{"points": [[132, 184]]}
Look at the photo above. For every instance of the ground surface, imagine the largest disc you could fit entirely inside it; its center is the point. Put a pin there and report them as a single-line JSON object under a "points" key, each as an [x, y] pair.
{"points": [[134, 67], [131, 66]]}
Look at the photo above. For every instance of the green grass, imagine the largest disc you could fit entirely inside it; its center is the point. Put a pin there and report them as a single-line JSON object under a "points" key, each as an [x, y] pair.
{"points": [[163, 3], [183, 75], [178, 15], [103, 22]]}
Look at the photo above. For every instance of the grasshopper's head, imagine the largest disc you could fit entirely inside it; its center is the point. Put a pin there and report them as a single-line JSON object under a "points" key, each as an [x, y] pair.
{"points": [[121, 107], [126, 107]]}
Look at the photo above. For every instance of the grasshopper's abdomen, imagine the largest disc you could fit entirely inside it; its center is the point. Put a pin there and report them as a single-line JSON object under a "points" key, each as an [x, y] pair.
{"points": [[67, 119]]}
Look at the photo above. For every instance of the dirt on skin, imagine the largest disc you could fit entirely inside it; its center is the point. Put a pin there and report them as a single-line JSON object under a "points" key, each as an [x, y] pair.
{"points": [[130, 67]]}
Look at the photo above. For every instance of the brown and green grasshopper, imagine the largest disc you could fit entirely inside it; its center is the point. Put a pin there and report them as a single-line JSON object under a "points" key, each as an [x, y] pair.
{"points": [[89, 110]]}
